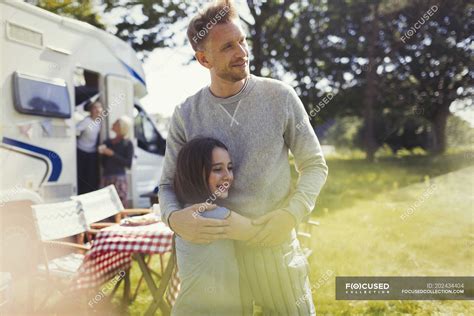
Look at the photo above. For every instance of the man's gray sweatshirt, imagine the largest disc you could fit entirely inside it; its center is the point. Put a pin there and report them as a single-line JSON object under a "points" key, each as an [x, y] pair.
{"points": [[259, 125]]}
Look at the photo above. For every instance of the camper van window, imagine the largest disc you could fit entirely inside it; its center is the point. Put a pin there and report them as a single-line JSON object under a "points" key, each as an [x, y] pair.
{"points": [[37, 96], [147, 136]]}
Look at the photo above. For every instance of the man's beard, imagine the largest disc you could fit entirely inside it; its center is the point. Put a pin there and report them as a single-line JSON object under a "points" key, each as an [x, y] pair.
{"points": [[233, 76]]}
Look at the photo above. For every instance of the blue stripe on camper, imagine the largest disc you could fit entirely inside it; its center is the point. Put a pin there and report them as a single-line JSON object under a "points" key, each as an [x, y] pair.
{"points": [[51, 155], [133, 73]]}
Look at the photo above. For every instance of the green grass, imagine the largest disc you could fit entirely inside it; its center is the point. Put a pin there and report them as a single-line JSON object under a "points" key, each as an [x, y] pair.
{"points": [[371, 239], [354, 180], [362, 234]]}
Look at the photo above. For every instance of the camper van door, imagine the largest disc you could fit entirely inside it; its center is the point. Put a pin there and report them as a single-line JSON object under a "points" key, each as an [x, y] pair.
{"points": [[118, 102]]}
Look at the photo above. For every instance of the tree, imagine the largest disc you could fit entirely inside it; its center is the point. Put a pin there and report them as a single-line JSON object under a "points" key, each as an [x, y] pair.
{"points": [[359, 48], [269, 18], [438, 60], [337, 40], [156, 29], [79, 10]]}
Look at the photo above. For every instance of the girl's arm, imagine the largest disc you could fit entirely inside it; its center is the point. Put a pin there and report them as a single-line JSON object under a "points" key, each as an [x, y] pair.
{"points": [[241, 227]]}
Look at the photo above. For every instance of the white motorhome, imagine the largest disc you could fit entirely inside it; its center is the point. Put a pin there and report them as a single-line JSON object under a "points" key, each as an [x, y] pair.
{"points": [[49, 67]]}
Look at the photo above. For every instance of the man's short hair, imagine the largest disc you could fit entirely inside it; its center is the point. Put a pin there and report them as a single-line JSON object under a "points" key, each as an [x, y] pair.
{"points": [[219, 12]]}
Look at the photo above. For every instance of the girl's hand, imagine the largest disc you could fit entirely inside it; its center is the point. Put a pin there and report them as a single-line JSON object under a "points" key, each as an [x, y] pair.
{"points": [[192, 227], [241, 227]]}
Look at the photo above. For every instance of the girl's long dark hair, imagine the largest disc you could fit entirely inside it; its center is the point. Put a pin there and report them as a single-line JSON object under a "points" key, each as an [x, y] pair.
{"points": [[193, 168]]}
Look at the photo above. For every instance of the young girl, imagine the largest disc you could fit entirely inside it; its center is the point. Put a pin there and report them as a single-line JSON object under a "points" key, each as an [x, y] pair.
{"points": [[209, 272]]}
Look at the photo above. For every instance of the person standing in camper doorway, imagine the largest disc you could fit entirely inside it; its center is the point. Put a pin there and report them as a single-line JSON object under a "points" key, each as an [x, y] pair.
{"points": [[260, 120], [87, 158]]}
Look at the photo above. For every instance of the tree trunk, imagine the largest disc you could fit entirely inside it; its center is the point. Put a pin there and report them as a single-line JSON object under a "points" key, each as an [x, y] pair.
{"points": [[257, 48], [370, 145], [439, 127]]}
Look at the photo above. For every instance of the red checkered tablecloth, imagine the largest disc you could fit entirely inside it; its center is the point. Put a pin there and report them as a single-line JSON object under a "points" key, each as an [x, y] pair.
{"points": [[111, 252]]}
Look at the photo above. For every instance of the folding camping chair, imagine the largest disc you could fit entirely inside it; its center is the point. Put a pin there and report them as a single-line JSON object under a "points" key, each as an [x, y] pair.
{"points": [[102, 204], [53, 222], [304, 233]]}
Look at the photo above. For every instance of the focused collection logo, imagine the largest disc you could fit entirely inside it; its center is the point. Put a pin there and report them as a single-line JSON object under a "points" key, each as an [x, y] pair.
{"points": [[367, 288], [404, 288]]}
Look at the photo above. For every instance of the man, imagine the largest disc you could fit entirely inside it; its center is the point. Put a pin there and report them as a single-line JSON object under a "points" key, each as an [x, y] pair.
{"points": [[259, 120]]}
